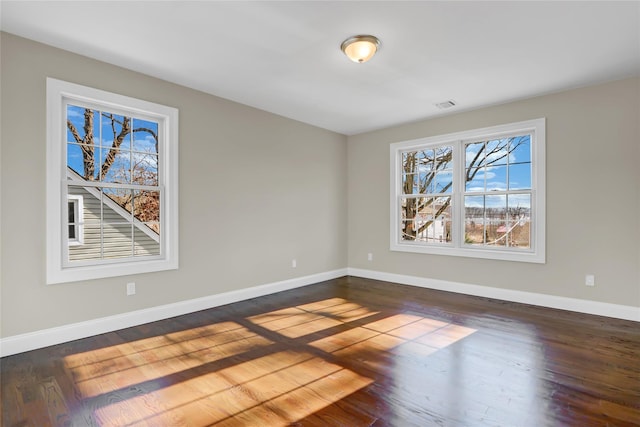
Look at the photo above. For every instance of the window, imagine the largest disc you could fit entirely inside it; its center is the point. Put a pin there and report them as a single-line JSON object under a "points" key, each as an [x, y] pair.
{"points": [[75, 207], [477, 193], [112, 184]]}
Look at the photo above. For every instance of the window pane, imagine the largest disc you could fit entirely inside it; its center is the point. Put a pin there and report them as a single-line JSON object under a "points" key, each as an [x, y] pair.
{"points": [[145, 136], [520, 149], [474, 220], [76, 161], [115, 146], [520, 220], [145, 169], [147, 227], [473, 154], [444, 181], [425, 161], [92, 239], [475, 180], [116, 205], [91, 204], [443, 158], [79, 121], [82, 131], [427, 184], [74, 158], [409, 207], [145, 246], [520, 176], [495, 220], [417, 214], [118, 241], [75, 116], [115, 127], [496, 178], [403, 209], [407, 231], [409, 162], [146, 207], [440, 229], [432, 222], [154, 225], [116, 165], [91, 249], [409, 185], [520, 205], [497, 152], [117, 235]]}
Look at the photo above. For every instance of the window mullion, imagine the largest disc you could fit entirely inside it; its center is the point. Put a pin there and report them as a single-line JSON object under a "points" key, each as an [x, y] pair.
{"points": [[133, 219], [457, 226]]}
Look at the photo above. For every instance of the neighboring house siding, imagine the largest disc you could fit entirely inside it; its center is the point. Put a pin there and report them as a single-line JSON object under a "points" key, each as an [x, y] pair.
{"points": [[117, 234]]}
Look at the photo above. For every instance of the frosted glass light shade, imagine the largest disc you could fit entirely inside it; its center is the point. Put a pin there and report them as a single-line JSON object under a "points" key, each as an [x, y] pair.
{"points": [[360, 48]]}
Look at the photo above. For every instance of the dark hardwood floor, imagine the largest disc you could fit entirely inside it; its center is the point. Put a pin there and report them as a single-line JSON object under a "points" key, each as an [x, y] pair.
{"points": [[347, 352]]}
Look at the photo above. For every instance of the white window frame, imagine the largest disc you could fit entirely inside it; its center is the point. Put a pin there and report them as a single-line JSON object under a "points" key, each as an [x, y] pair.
{"points": [[59, 93], [534, 254], [78, 213]]}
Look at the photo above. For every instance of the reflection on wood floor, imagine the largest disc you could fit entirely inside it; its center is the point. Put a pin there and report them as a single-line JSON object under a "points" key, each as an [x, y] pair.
{"points": [[347, 352]]}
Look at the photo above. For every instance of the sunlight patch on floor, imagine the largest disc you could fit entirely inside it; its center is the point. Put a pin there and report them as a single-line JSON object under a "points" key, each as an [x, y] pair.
{"points": [[399, 334], [123, 366], [236, 372], [276, 389], [295, 322]]}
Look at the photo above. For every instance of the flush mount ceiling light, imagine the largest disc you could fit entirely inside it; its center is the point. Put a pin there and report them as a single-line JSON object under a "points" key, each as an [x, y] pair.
{"points": [[360, 48]]}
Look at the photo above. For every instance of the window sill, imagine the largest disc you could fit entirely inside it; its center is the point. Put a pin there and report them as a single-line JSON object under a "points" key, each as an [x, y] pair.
{"points": [[492, 254]]}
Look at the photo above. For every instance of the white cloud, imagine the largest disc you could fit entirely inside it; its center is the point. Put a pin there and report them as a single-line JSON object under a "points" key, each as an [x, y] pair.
{"points": [[146, 143]]}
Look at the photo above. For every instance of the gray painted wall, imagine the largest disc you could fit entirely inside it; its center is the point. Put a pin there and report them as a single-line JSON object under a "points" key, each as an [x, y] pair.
{"points": [[593, 197], [256, 191]]}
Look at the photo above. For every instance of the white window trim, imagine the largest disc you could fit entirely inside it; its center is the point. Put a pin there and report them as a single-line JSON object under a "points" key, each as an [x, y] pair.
{"points": [[60, 92], [536, 254], [78, 205]]}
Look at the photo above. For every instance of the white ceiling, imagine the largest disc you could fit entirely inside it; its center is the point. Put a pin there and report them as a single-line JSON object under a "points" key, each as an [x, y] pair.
{"points": [[284, 56]]}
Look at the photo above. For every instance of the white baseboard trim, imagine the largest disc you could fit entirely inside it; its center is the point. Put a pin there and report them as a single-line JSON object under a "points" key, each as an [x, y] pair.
{"points": [[44, 338], [57, 335], [572, 304]]}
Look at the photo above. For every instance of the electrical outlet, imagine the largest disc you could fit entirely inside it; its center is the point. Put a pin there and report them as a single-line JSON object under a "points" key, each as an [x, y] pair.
{"points": [[131, 288], [590, 280], [369, 256], [294, 263]]}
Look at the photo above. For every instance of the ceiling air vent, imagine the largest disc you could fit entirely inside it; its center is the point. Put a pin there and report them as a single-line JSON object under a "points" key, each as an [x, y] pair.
{"points": [[446, 104]]}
